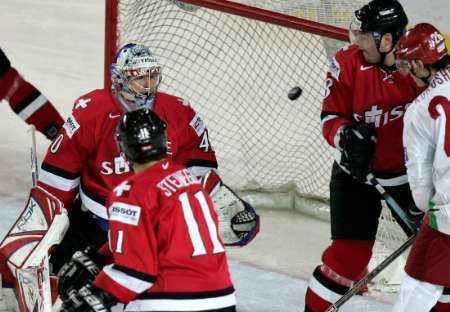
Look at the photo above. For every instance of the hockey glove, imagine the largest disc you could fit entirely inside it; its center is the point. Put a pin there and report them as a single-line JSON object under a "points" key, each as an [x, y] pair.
{"points": [[357, 143], [5, 65], [88, 299], [238, 221], [415, 216], [82, 268]]}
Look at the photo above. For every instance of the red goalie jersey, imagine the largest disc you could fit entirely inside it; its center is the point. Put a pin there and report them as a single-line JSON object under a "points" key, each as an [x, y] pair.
{"points": [[84, 156], [167, 252], [369, 94]]}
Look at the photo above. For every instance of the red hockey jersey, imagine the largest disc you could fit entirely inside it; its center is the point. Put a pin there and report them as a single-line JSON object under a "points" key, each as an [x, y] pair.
{"points": [[27, 101], [84, 156], [359, 91], [167, 252]]}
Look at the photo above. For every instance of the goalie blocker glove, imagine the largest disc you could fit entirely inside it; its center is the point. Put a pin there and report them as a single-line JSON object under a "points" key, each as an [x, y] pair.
{"points": [[238, 220], [357, 144], [81, 269], [88, 299]]}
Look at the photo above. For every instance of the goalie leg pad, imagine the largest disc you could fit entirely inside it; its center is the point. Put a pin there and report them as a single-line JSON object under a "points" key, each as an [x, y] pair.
{"points": [[24, 250]]}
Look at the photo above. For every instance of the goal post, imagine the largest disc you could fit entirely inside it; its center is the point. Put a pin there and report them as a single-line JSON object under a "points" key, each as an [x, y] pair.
{"points": [[235, 62]]}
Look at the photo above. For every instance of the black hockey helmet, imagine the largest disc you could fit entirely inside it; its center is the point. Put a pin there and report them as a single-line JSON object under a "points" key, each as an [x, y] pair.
{"points": [[141, 136], [381, 17]]}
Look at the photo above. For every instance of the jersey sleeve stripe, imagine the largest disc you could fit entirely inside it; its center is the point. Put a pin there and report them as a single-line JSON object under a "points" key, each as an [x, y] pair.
{"points": [[57, 181], [201, 163], [32, 107], [95, 207], [136, 274], [186, 295], [30, 98], [127, 281], [60, 172], [325, 117], [200, 171], [206, 304]]}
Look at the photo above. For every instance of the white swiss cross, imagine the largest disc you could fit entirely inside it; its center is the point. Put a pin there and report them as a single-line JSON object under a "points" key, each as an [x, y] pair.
{"points": [[374, 115], [121, 188], [82, 103]]}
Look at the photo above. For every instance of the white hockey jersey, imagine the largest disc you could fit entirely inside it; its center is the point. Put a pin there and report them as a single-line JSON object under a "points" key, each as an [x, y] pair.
{"points": [[426, 139]]}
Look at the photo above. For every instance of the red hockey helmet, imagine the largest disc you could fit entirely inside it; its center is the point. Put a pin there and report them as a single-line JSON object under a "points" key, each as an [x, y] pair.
{"points": [[423, 42]]}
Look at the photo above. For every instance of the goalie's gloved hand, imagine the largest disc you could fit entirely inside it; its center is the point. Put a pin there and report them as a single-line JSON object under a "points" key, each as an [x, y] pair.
{"points": [[82, 268], [88, 299], [238, 221], [357, 144]]}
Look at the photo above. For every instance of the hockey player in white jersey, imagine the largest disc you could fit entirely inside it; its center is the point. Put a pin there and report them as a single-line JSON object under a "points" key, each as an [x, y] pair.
{"points": [[426, 137]]}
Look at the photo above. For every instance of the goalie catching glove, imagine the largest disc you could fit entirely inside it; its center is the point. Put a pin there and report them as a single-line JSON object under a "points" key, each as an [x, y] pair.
{"points": [[81, 269], [238, 221], [357, 144]]}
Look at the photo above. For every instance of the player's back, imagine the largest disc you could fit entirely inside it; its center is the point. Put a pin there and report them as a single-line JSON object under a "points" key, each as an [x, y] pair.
{"points": [[169, 231], [427, 112], [191, 255]]}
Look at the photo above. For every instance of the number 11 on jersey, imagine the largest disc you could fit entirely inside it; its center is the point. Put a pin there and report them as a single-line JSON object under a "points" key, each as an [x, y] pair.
{"points": [[194, 233]]}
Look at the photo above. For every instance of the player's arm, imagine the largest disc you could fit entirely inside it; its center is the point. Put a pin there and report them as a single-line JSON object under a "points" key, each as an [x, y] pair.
{"points": [[133, 270], [238, 220], [419, 155], [63, 163], [195, 150], [337, 104], [133, 246], [27, 101]]}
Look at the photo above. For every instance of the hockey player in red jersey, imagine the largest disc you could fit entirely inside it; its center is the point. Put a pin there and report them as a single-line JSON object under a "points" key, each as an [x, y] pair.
{"points": [[83, 158], [27, 101], [167, 253], [426, 287], [362, 118]]}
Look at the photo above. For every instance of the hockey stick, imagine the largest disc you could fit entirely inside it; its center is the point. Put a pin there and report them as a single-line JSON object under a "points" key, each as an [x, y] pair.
{"points": [[34, 168], [395, 207], [371, 275]]}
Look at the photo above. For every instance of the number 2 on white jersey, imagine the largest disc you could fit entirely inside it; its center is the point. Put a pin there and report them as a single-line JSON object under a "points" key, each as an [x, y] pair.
{"points": [[194, 233]]}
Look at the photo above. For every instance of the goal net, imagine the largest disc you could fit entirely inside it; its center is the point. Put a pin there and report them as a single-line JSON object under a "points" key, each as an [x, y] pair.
{"points": [[235, 61]]}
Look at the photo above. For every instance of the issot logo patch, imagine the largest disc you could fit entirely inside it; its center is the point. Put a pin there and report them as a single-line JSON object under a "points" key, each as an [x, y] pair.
{"points": [[71, 126], [198, 125], [124, 213]]}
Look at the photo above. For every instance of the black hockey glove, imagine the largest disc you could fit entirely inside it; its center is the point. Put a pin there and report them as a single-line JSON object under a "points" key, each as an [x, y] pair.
{"points": [[415, 216], [4, 63], [82, 268], [357, 143], [89, 299]]}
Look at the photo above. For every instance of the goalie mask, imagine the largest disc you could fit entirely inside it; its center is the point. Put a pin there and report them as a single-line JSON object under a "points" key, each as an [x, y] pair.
{"points": [[135, 76], [141, 136]]}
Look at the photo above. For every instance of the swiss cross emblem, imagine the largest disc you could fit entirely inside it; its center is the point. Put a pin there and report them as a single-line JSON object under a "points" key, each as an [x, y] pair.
{"points": [[121, 188], [82, 103]]}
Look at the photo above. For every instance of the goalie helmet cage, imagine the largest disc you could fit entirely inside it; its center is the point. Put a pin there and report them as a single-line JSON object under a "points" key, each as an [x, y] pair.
{"points": [[235, 63]]}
